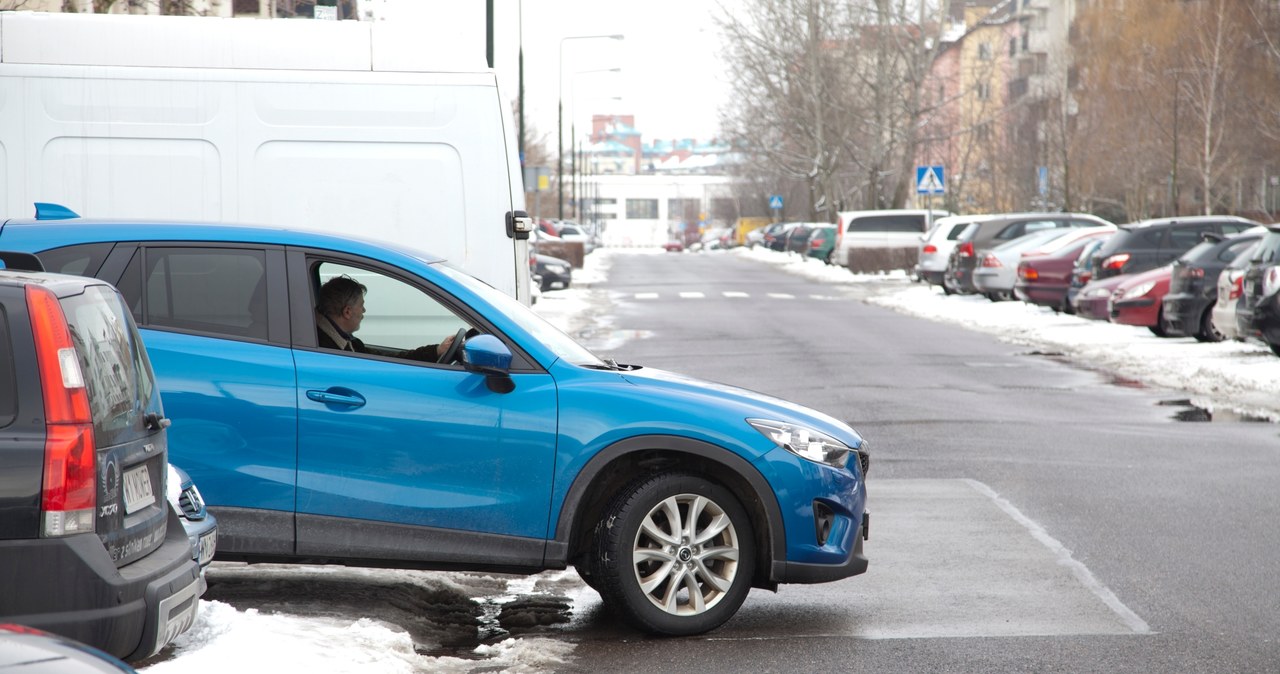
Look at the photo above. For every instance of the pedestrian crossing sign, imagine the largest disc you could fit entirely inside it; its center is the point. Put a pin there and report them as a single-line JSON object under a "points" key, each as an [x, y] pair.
{"points": [[930, 180]]}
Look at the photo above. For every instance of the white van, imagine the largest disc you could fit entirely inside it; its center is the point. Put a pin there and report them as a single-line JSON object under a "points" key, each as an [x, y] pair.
{"points": [[881, 240], [361, 128]]}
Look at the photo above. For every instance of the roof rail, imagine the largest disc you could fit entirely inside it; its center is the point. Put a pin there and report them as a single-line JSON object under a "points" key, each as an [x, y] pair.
{"points": [[46, 211]]}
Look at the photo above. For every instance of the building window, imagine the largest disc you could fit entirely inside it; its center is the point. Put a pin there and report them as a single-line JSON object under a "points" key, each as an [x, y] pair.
{"points": [[683, 210], [1013, 47], [984, 91], [984, 51], [642, 209]]}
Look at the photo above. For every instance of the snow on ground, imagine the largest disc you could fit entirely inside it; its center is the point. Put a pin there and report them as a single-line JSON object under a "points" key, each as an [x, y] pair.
{"points": [[1241, 377]]}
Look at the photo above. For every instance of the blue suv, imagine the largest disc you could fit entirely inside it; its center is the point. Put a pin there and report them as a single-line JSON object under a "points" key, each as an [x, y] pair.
{"points": [[517, 450]]}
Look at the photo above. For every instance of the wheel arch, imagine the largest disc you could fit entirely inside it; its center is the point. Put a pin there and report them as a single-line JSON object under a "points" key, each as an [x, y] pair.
{"points": [[622, 462]]}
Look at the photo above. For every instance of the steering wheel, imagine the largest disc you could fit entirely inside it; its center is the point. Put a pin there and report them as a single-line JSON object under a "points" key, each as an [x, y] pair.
{"points": [[455, 347]]}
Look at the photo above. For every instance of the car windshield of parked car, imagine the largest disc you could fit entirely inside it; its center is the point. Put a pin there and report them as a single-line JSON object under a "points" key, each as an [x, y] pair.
{"points": [[562, 345]]}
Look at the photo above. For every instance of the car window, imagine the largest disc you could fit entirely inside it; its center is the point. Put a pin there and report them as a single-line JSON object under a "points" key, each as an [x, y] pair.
{"points": [[82, 260], [1183, 238], [1268, 249], [117, 375], [887, 223], [210, 290], [1236, 227], [538, 327], [398, 317], [1233, 250], [1018, 229], [956, 231], [8, 385]]}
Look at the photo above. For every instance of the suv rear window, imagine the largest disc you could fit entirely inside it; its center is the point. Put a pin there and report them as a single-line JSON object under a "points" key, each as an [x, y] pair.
{"points": [[888, 223], [117, 375], [1269, 249]]}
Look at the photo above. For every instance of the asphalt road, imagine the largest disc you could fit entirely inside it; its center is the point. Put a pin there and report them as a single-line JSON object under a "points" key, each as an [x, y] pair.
{"points": [[1029, 515]]}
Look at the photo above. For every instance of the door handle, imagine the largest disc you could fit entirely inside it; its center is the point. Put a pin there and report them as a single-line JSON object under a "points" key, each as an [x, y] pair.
{"points": [[337, 396]]}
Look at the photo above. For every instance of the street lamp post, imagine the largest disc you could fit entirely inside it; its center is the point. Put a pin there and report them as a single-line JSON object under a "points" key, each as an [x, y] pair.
{"points": [[560, 113]]}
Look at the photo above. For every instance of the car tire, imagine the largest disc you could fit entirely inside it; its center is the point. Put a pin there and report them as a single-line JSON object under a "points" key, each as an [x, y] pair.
{"points": [[546, 285], [665, 583], [1208, 331]]}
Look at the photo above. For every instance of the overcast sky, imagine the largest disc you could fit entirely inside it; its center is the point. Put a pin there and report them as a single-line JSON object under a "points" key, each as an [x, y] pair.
{"points": [[671, 77]]}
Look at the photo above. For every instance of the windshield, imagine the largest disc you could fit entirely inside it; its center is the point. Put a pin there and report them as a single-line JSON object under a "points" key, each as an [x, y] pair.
{"points": [[549, 335]]}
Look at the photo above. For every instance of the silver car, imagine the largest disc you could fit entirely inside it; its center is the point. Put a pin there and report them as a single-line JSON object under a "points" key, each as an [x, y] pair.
{"points": [[201, 526]]}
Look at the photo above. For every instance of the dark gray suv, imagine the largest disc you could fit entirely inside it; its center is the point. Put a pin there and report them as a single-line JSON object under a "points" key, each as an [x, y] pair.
{"points": [[1148, 244], [89, 546]]}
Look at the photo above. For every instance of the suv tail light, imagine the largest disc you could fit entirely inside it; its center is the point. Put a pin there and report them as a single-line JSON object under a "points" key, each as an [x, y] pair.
{"points": [[69, 494], [990, 260], [965, 249], [1116, 262], [930, 248], [1027, 273], [1237, 285]]}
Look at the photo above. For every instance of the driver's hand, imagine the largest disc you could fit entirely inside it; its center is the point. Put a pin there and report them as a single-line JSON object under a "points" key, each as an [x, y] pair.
{"points": [[444, 345]]}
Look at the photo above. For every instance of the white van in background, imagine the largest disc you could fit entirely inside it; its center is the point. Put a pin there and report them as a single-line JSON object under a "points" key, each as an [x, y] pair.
{"points": [[936, 246], [359, 128], [881, 240]]}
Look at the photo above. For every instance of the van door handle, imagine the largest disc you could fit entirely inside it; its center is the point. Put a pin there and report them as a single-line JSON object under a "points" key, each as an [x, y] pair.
{"points": [[337, 396]]}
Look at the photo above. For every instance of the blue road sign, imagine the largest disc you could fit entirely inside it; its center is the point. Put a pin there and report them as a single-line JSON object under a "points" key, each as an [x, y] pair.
{"points": [[930, 180], [775, 202]]}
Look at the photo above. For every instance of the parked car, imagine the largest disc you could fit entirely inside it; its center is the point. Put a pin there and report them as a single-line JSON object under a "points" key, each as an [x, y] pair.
{"points": [[822, 241], [1230, 288], [91, 549], [26, 650], [1093, 301], [201, 526], [1258, 313], [936, 247], [673, 246], [1139, 299], [519, 451], [1193, 292], [552, 272], [997, 273], [572, 231], [993, 230], [1046, 279], [1082, 271], [755, 237], [798, 238], [865, 234], [779, 237], [1139, 246]]}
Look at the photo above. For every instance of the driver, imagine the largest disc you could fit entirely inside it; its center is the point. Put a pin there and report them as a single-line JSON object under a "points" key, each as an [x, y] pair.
{"points": [[340, 310]]}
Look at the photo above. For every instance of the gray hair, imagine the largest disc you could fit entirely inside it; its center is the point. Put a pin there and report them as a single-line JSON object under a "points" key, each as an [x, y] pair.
{"points": [[338, 293]]}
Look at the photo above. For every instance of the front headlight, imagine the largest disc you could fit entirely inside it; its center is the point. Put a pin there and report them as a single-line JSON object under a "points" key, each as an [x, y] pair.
{"points": [[1140, 289], [555, 268], [805, 443], [1100, 292]]}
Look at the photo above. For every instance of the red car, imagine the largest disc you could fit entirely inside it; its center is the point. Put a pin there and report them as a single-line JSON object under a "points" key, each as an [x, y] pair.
{"points": [[1094, 299], [1044, 279], [1138, 299]]}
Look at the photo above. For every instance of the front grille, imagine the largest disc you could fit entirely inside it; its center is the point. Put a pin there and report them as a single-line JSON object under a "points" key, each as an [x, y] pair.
{"points": [[191, 504]]}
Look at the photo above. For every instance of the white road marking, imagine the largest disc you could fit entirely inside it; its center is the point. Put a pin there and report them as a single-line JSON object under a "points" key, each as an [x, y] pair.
{"points": [[735, 293], [646, 296], [1078, 569], [782, 296], [692, 295]]}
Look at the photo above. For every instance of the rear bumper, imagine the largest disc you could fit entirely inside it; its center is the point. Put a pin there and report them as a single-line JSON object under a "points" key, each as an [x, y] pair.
{"points": [[1181, 315], [70, 586], [1042, 294]]}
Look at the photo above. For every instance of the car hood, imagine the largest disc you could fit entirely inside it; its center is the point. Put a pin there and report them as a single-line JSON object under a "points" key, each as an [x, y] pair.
{"points": [[732, 402]]}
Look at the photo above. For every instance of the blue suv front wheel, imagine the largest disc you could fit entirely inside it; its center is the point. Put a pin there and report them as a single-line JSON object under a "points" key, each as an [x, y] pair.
{"points": [[674, 554]]}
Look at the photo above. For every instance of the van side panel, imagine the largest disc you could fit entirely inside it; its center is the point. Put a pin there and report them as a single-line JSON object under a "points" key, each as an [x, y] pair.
{"points": [[272, 122]]}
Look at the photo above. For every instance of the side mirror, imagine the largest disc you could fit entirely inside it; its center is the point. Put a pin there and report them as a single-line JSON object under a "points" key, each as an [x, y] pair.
{"points": [[487, 355]]}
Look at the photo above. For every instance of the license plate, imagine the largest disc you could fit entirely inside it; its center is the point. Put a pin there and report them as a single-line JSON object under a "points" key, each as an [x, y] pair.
{"points": [[208, 544], [137, 490]]}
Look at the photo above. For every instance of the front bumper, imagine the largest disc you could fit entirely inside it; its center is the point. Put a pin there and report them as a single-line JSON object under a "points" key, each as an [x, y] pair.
{"points": [[799, 572]]}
